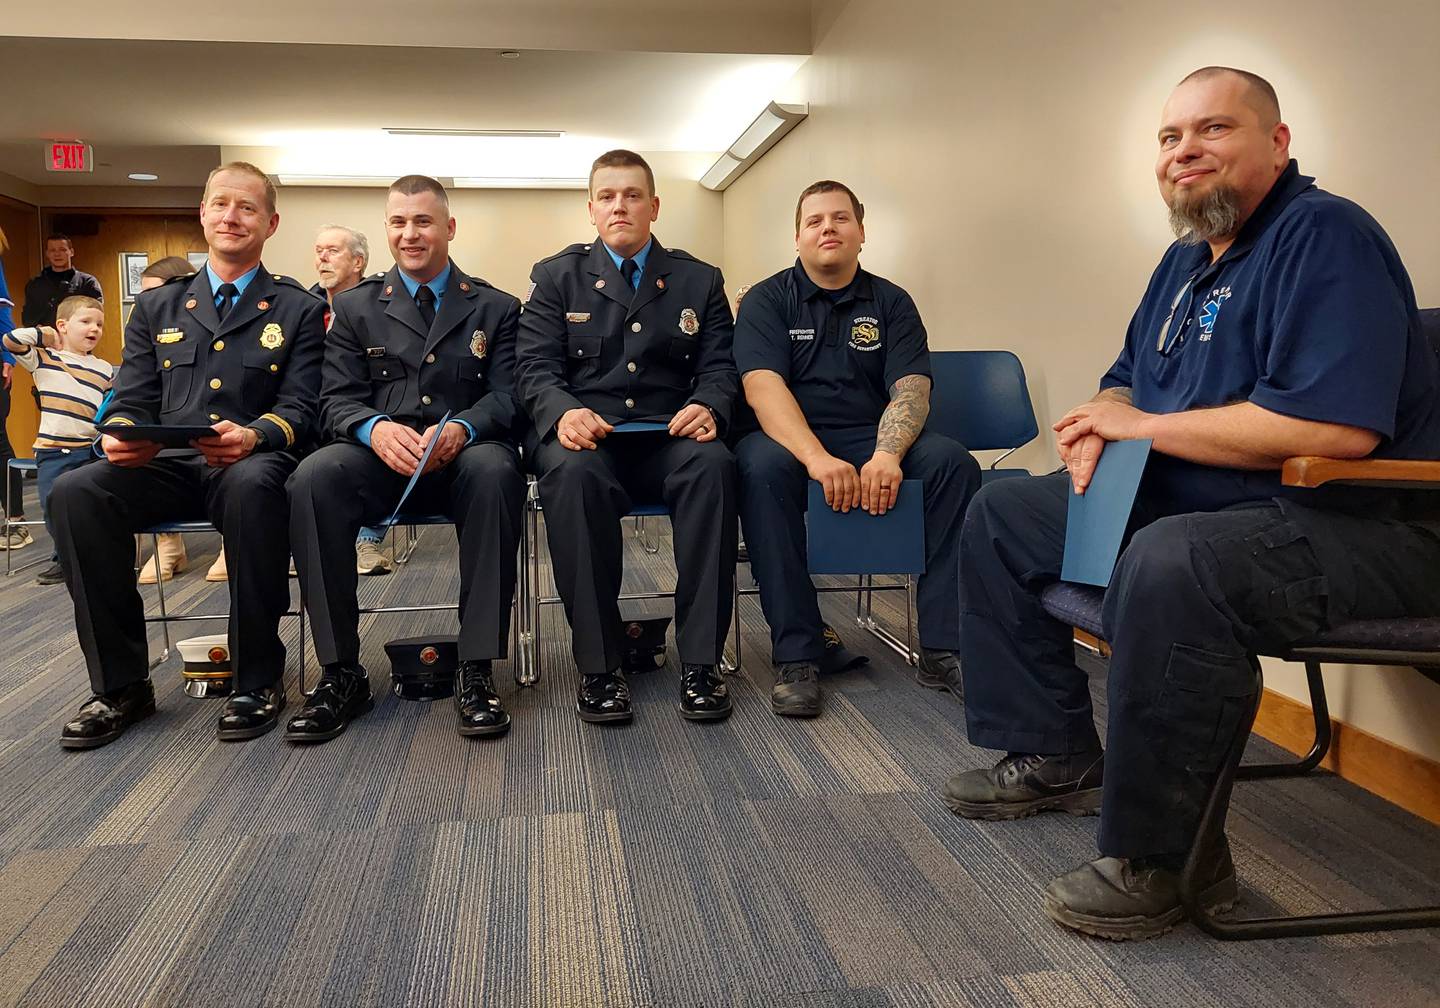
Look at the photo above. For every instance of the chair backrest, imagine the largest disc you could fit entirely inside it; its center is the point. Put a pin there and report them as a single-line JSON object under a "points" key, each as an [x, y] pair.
{"points": [[980, 399]]}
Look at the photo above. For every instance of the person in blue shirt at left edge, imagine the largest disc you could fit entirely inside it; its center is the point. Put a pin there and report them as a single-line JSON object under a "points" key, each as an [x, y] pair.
{"points": [[1281, 323], [237, 349], [20, 537]]}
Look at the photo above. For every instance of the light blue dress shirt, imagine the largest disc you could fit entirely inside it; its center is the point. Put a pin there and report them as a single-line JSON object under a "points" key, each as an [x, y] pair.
{"points": [[639, 258], [362, 433], [240, 284]]}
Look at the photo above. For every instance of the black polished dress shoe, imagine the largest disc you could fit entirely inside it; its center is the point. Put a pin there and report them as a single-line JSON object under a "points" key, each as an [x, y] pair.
{"points": [[250, 715], [940, 670], [604, 699], [50, 575], [104, 717], [342, 696], [796, 692], [1022, 784], [479, 707], [703, 694], [1128, 898]]}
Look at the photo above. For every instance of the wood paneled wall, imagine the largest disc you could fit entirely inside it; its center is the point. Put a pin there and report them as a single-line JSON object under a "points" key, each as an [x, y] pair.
{"points": [[99, 237]]}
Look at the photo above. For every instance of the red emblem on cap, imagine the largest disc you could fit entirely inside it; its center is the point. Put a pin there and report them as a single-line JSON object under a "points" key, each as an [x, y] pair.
{"points": [[429, 656], [218, 655], [633, 630]]}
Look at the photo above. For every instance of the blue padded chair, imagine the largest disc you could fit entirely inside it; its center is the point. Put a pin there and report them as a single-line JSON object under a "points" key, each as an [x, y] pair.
{"points": [[1413, 642], [981, 400]]}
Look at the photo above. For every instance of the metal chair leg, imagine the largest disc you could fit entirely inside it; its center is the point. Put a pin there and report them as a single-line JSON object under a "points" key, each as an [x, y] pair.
{"points": [[1212, 828], [160, 590], [1321, 711]]}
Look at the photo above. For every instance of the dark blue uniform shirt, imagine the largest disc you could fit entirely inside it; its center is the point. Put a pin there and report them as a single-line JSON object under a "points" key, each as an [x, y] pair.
{"points": [[1309, 314], [839, 357]]}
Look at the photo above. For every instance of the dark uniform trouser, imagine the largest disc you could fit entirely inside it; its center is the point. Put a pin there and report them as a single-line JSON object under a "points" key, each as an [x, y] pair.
{"points": [[1192, 595], [586, 493], [97, 509], [773, 495], [345, 486]]}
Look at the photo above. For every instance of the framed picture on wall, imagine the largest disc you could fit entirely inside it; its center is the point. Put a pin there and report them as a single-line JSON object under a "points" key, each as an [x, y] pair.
{"points": [[132, 264], [197, 260]]}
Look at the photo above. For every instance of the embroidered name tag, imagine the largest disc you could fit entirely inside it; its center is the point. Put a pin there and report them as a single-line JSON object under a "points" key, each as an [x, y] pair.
{"points": [[374, 351]]}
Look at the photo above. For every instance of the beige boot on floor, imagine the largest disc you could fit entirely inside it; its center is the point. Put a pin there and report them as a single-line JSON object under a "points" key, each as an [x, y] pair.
{"points": [[171, 554], [217, 571]]}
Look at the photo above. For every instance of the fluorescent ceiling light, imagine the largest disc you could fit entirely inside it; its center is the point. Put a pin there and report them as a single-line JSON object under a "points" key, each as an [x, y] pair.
{"points": [[141, 176], [520, 134], [762, 134], [488, 182]]}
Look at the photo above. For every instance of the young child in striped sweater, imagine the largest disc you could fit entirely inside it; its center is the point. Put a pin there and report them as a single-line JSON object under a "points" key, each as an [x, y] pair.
{"points": [[71, 381]]}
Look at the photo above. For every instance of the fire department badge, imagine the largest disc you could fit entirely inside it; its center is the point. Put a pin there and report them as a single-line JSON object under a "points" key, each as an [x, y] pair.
{"points": [[477, 343], [271, 337], [689, 322]]}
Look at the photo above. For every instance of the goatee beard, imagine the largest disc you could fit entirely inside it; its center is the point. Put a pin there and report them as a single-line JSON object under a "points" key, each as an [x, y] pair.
{"points": [[1206, 218]]}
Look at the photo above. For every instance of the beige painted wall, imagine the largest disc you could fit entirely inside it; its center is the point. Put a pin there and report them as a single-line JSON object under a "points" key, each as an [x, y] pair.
{"points": [[499, 233], [1004, 153]]}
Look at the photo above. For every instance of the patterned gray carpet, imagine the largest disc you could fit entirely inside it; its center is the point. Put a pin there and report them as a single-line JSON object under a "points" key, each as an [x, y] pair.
{"points": [[757, 863]]}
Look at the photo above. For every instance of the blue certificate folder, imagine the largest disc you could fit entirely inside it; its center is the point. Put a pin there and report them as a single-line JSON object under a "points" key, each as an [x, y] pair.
{"points": [[857, 542], [394, 518], [1095, 523]]}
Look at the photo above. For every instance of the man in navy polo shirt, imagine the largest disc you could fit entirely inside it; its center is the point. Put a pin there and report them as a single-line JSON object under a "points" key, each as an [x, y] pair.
{"points": [[1282, 323], [836, 367]]}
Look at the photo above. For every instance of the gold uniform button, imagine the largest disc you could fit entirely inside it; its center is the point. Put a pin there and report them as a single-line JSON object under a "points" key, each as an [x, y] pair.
{"points": [[430, 358], [630, 367], [214, 382], [634, 326], [165, 363], [214, 416], [425, 399], [274, 367], [219, 344], [629, 403]]}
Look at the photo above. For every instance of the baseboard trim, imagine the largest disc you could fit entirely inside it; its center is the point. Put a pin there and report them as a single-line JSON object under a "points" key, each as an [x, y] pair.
{"points": [[1380, 767]]}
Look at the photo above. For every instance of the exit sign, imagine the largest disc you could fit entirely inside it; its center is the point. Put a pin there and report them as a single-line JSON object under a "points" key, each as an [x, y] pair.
{"points": [[69, 157]]}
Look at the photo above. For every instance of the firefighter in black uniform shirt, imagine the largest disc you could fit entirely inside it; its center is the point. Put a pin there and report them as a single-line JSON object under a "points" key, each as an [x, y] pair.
{"points": [[235, 348], [618, 331], [406, 348]]}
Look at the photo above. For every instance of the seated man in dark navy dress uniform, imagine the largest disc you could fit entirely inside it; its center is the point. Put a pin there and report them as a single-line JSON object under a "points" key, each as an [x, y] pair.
{"points": [[837, 370], [1282, 323], [405, 349], [235, 348], [620, 330]]}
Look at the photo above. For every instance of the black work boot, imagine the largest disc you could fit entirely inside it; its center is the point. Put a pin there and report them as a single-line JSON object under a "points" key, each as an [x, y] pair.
{"points": [[104, 717], [342, 696], [478, 705], [1022, 784], [940, 670], [1128, 898], [796, 692]]}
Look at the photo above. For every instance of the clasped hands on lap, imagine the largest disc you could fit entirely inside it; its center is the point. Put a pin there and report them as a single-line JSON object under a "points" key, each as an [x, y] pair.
{"points": [[581, 429], [401, 448]]}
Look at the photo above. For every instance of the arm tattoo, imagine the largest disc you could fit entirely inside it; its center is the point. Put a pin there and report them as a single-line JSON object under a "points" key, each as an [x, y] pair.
{"points": [[904, 418], [1117, 393]]}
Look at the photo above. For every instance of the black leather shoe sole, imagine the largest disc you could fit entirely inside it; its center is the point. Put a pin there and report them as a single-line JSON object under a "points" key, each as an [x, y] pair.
{"points": [[718, 714], [96, 741], [796, 710], [1077, 803], [1219, 898], [484, 731], [619, 717], [291, 735]]}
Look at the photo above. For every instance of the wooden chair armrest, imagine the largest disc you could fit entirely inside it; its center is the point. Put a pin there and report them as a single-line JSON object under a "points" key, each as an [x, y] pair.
{"points": [[1316, 470]]}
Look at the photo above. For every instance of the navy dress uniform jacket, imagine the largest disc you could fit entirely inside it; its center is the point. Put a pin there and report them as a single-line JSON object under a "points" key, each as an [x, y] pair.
{"points": [[588, 339], [381, 360], [258, 368]]}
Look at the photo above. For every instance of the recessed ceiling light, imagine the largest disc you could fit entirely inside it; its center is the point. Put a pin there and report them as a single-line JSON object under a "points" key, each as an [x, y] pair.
{"points": [[509, 54], [141, 176]]}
